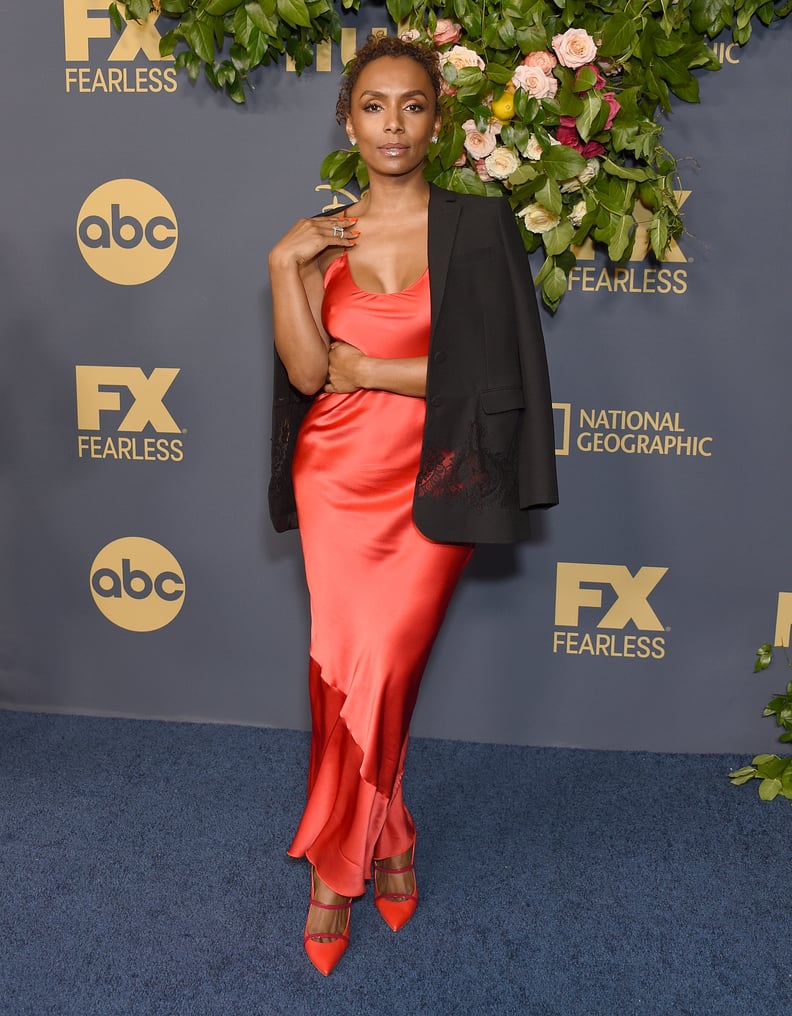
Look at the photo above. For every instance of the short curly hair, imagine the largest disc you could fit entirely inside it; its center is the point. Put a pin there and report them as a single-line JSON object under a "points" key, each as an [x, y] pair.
{"points": [[377, 46]]}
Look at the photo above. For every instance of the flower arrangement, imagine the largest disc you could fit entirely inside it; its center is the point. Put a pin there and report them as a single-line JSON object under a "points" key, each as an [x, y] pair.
{"points": [[552, 103]]}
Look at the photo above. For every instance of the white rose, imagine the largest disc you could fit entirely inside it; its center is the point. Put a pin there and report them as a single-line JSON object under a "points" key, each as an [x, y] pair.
{"points": [[574, 48], [576, 214], [501, 163], [538, 219], [533, 150], [535, 82], [461, 56]]}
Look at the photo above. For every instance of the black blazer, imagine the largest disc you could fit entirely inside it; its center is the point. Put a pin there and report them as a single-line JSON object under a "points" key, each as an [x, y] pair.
{"points": [[488, 449]]}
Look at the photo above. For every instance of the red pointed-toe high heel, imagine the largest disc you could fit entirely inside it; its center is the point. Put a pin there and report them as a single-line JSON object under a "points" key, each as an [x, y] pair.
{"points": [[325, 948], [396, 909]]}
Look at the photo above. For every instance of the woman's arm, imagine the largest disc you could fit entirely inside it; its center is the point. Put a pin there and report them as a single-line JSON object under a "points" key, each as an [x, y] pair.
{"points": [[349, 369], [297, 291]]}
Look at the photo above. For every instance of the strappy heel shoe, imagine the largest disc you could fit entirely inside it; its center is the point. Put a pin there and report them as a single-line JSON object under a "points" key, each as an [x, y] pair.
{"points": [[396, 909], [325, 948]]}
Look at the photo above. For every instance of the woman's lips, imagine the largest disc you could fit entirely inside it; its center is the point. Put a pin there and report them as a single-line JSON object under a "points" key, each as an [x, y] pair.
{"points": [[393, 150]]}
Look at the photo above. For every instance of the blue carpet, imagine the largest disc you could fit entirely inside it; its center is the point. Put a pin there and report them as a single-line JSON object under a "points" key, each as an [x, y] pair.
{"points": [[143, 872]]}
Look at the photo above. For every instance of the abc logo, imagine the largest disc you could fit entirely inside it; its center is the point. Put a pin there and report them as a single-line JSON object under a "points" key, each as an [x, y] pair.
{"points": [[127, 232], [137, 584]]}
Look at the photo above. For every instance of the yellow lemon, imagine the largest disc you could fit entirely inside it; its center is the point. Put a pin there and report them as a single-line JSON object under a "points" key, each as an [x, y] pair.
{"points": [[503, 108]]}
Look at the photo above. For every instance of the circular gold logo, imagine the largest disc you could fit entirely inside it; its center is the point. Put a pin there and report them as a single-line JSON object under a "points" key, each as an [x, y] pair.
{"points": [[127, 232], [137, 584]]}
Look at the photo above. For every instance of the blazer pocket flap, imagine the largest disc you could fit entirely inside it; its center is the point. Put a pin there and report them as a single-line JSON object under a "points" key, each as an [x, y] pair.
{"points": [[499, 400]]}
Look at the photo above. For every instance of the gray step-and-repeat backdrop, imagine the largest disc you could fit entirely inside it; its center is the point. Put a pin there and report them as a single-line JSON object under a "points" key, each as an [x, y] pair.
{"points": [[140, 575]]}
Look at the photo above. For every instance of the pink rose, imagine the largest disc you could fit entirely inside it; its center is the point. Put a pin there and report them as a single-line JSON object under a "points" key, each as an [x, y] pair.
{"points": [[574, 48], [542, 59], [462, 159], [481, 169], [446, 31], [599, 84], [535, 82], [611, 100]]}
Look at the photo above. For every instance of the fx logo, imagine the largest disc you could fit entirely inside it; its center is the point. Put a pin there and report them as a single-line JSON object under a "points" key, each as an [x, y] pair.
{"points": [[783, 620], [99, 391], [79, 27], [579, 585]]}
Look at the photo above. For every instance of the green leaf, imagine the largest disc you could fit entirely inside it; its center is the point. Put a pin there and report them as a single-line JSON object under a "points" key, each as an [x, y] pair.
{"points": [[523, 174], [619, 242], [586, 78], [593, 116], [658, 236], [769, 789], [261, 19], [200, 37], [558, 239], [499, 74], [219, 7], [549, 195], [707, 15], [748, 771], [617, 35], [115, 17], [562, 163], [764, 657], [467, 181], [294, 13], [137, 10], [625, 172]]}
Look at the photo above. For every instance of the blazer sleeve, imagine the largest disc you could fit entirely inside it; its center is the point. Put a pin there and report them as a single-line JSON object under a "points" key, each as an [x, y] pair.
{"points": [[537, 481]]}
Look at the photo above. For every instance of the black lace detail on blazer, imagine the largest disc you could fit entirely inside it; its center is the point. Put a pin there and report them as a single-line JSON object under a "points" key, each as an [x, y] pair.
{"points": [[472, 474]]}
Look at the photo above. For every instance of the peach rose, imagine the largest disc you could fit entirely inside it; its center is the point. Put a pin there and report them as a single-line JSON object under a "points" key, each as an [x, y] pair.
{"points": [[461, 56], [542, 59], [501, 163], [446, 31], [480, 144], [535, 82], [461, 159], [574, 48]]}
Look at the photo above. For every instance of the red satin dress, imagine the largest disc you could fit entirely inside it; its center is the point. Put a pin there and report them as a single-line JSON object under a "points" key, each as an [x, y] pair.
{"points": [[378, 588]]}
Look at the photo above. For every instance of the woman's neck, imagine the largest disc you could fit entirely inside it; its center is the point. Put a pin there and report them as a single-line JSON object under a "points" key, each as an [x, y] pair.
{"points": [[395, 195]]}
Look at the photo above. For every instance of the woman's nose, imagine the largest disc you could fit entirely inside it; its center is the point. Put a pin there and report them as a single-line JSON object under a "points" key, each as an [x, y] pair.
{"points": [[393, 123]]}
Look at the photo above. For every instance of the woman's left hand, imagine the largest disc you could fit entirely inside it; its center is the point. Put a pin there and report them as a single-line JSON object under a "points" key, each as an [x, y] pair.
{"points": [[344, 363]]}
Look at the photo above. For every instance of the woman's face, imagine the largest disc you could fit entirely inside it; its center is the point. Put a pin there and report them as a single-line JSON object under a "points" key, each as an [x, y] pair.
{"points": [[393, 115]]}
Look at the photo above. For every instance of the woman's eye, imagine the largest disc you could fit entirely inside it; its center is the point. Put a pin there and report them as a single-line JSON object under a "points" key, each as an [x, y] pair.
{"points": [[415, 107], [372, 106]]}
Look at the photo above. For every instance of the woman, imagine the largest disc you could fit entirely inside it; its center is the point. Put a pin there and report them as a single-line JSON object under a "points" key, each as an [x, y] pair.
{"points": [[412, 315]]}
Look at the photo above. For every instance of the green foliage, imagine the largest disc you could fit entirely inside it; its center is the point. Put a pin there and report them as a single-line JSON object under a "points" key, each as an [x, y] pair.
{"points": [[580, 168], [773, 772]]}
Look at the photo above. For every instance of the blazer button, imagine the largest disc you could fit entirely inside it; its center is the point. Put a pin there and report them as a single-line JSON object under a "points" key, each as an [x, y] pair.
{"points": [[436, 401], [440, 357]]}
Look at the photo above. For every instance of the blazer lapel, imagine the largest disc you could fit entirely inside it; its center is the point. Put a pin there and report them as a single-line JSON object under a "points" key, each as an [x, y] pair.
{"points": [[444, 212]]}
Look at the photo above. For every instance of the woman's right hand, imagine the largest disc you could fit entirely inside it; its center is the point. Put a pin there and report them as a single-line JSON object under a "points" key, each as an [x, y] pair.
{"points": [[309, 237]]}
